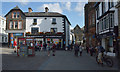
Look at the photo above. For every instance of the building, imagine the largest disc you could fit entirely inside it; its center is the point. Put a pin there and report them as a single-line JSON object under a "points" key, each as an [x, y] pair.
{"points": [[3, 34], [43, 26], [118, 7], [78, 32], [72, 38], [90, 24], [106, 24]]}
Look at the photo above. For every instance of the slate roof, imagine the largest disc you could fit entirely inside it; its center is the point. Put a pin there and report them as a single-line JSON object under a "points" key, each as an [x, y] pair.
{"points": [[38, 14]]}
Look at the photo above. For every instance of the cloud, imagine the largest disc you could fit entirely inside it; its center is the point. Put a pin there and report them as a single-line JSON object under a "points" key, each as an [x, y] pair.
{"points": [[80, 8], [24, 2], [68, 6], [52, 7]]}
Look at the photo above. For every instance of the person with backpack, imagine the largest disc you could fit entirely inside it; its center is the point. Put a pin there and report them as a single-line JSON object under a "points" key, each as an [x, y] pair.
{"points": [[100, 51]]}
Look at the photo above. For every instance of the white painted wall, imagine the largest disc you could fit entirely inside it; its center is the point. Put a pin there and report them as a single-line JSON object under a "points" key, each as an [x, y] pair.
{"points": [[44, 25], [2, 30]]}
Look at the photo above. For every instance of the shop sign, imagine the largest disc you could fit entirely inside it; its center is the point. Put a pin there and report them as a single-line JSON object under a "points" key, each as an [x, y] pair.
{"points": [[18, 34], [34, 36], [54, 36]]}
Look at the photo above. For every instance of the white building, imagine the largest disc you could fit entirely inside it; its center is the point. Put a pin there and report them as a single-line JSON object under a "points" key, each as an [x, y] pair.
{"points": [[3, 34], [106, 23], [44, 26]]}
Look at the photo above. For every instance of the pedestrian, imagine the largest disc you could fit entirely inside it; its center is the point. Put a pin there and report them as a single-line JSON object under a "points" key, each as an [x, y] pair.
{"points": [[87, 49], [76, 49], [15, 45], [53, 49], [80, 49], [100, 51], [91, 50], [48, 49], [36, 46], [41, 46]]}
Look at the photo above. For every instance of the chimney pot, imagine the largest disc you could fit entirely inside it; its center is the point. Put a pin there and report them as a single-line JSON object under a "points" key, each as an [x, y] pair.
{"points": [[46, 9], [30, 9]]}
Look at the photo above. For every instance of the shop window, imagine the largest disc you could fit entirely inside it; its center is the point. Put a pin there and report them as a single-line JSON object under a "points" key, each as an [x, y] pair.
{"points": [[2, 39], [5, 39], [34, 30], [53, 30], [54, 21]]}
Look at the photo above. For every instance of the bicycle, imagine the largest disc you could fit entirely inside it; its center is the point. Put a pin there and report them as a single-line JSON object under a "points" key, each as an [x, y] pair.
{"points": [[105, 60]]}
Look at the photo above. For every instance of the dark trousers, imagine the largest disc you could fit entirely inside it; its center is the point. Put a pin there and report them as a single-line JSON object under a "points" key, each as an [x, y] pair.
{"points": [[76, 52]]}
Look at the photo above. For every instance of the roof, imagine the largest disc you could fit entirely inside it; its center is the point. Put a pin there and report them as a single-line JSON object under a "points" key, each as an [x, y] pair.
{"points": [[77, 26], [15, 8], [38, 14]]}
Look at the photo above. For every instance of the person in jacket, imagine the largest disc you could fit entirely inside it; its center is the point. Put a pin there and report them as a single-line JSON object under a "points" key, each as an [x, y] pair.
{"points": [[15, 45], [76, 49]]}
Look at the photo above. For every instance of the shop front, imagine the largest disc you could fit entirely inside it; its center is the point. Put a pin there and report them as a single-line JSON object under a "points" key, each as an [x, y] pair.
{"points": [[107, 41], [13, 36], [44, 39]]}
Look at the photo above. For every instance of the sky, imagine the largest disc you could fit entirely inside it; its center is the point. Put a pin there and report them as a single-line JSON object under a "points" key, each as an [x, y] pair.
{"points": [[73, 10]]}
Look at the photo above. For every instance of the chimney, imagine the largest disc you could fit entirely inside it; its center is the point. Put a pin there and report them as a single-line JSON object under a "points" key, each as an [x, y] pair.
{"points": [[30, 9], [46, 9]]}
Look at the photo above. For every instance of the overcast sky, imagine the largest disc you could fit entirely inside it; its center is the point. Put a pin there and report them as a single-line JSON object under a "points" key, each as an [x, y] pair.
{"points": [[73, 10]]}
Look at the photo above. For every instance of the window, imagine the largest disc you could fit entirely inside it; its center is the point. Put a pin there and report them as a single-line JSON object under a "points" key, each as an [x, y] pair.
{"points": [[35, 21], [16, 15], [111, 20], [102, 24], [5, 39], [54, 21], [11, 24], [98, 29], [103, 7], [2, 30], [20, 25], [107, 22], [93, 19], [97, 11], [3, 23], [34, 30], [16, 24], [53, 30], [110, 4], [2, 39]]}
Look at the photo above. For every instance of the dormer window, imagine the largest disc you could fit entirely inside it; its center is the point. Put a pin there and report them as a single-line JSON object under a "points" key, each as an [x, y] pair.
{"points": [[54, 21], [16, 15], [34, 21]]}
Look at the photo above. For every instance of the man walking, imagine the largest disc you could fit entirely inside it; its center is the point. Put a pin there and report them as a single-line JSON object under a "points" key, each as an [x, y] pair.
{"points": [[76, 48]]}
